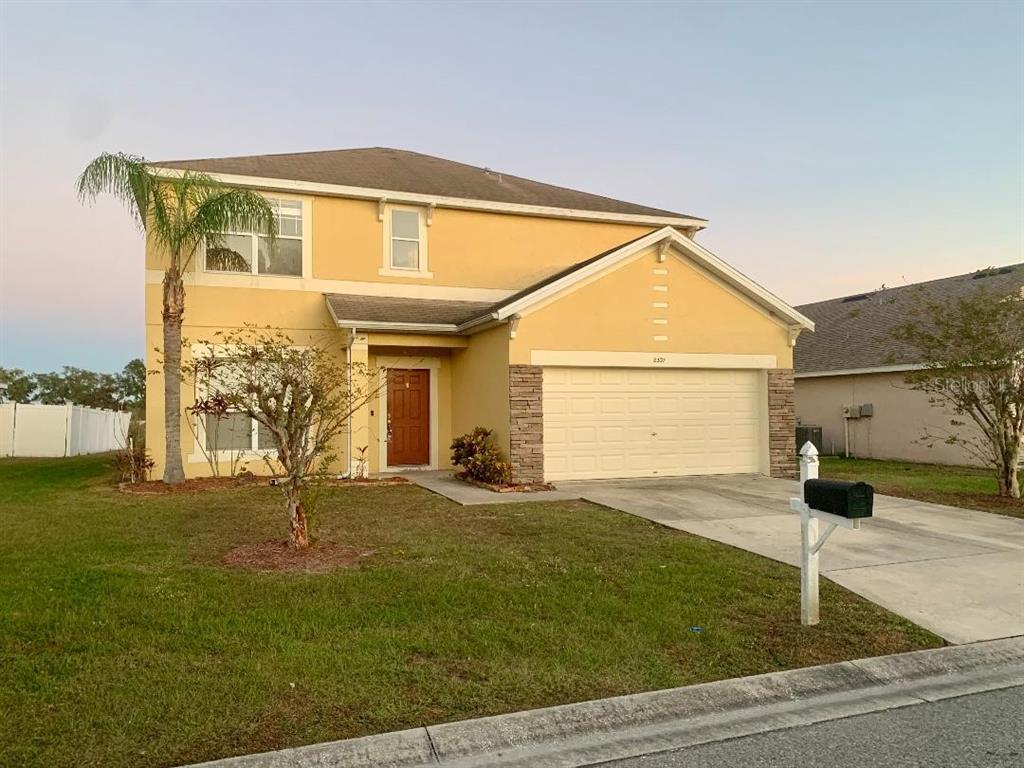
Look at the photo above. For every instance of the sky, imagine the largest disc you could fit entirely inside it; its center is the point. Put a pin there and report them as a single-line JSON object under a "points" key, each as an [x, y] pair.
{"points": [[834, 147]]}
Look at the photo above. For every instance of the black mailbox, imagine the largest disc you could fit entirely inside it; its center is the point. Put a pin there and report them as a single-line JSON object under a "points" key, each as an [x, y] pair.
{"points": [[839, 497]]}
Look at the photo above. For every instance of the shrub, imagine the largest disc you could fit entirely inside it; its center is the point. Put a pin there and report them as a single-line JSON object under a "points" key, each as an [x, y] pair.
{"points": [[480, 458], [133, 465]]}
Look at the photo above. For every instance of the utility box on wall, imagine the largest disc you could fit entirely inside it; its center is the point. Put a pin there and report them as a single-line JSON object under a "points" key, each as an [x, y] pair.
{"points": [[858, 411]]}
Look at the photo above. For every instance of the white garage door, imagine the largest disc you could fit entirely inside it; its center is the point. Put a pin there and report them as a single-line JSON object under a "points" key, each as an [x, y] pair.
{"points": [[644, 422]]}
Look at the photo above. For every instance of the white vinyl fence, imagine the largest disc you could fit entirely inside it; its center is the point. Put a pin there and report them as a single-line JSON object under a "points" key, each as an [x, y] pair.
{"points": [[60, 430]]}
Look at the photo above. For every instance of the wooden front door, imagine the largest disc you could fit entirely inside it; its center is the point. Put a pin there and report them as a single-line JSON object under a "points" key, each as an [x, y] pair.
{"points": [[408, 417]]}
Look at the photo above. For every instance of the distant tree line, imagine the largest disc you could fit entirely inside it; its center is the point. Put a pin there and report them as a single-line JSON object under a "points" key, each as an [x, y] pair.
{"points": [[117, 391]]}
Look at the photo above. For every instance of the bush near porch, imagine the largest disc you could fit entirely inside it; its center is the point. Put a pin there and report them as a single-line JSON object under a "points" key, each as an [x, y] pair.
{"points": [[126, 641], [968, 487]]}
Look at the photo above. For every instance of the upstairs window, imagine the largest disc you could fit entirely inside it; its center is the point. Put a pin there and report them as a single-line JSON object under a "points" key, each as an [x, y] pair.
{"points": [[405, 239], [253, 253]]}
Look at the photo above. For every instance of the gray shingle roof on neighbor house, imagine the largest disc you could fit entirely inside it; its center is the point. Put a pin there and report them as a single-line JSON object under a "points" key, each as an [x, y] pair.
{"points": [[403, 171], [853, 332]]}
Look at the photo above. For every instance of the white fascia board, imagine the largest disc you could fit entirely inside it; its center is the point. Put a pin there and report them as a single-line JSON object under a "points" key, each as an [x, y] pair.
{"points": [[441, 201], [855, 371], [332, 313], [487, 320], [703, 256], [372, 325]]}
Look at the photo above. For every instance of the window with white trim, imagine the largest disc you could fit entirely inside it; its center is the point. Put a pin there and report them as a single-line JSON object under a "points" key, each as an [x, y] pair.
{"points": [[253, 253], [236, 432], [405, 239], [231, 432]]}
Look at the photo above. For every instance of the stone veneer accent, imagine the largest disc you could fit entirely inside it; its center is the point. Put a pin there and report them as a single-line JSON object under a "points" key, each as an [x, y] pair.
{"points": [[526, 423], [781, 423]]}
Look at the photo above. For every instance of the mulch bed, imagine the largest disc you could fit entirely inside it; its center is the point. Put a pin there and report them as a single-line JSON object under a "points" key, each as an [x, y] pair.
{"points": [[159, 488], [273, 555], [511, 488], [198, 484], [364, 482]]}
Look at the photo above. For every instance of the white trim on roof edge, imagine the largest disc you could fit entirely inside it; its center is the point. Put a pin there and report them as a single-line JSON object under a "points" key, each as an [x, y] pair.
{"points": [[320, 285], [383, 325], [701, 255], [855, 371], [441, 201]]}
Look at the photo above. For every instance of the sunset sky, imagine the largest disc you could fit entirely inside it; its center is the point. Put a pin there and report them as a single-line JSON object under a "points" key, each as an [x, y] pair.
{"points": [[834, 147]]}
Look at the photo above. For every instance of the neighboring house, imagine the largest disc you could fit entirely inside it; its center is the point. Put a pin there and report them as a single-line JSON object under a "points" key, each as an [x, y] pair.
{"points": [[594, 336], [851, 359]]}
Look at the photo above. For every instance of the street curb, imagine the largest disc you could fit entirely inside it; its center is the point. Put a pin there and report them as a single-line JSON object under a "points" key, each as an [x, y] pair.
{"points": [[603, 729]]}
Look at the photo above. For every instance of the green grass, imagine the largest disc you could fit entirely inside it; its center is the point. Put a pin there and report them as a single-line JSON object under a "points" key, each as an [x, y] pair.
{"points": [[969, 487], [124, 641]]}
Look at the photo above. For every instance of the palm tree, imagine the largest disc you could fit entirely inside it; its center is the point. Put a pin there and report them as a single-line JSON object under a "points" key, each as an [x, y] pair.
{"points": [[181, 214]]}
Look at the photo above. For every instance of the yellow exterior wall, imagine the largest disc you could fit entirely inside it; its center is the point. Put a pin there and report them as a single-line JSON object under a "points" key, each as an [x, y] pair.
{"points": [[470, 250], [480, 385], [485, 250], [616, 312], [193, 460], [474, 249]]}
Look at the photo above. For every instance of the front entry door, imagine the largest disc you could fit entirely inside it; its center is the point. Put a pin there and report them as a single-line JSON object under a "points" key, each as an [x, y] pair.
{"points": [[408, 417]]}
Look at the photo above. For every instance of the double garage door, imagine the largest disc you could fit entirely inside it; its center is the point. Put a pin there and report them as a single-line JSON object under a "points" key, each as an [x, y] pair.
{"points": [[648, 422]]}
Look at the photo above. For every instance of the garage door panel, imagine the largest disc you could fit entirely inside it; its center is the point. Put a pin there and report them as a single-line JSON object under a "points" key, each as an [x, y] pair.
{"points": [[623, 422]]}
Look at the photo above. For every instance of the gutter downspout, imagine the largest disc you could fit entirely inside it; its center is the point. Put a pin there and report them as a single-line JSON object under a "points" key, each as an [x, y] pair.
{"points": [[348, 384], [846, 435]]}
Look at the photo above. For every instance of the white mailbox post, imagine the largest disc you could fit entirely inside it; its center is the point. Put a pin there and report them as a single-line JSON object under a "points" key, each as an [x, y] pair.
{"points": [[810, 544]]}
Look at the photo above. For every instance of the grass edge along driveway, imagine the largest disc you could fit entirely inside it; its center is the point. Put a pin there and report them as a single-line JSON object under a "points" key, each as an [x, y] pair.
{"points": [[967, 487], [126, 641]]}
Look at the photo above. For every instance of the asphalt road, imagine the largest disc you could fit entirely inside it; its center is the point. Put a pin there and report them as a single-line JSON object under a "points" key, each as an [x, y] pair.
{"points": [[985, 730]]}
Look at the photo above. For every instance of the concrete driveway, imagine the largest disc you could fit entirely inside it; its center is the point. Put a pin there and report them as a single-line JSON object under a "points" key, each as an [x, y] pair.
{"points": [[957, 572], [954, 571]]}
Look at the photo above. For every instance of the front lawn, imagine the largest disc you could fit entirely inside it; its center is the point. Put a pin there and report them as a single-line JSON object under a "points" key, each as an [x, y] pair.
{"points": [[125, 640], [968, 487]]}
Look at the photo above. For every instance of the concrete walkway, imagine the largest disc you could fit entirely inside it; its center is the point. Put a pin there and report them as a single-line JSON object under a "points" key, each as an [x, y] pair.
{"points": [[957, 572]]}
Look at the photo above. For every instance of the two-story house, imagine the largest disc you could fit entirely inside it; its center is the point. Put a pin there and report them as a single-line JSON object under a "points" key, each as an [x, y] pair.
{"points": [[596, 337]]}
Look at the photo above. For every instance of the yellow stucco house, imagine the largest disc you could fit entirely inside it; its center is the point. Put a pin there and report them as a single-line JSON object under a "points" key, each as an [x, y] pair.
{"points": [[596, 337]]}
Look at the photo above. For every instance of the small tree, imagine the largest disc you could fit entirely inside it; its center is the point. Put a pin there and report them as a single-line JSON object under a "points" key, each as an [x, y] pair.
{"points": [[297, 393], [20, 387], [972, 352], [131, 385]]}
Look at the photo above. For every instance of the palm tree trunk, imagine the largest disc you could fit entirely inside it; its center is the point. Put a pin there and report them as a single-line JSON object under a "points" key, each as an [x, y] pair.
{"points": [[173, 313]]}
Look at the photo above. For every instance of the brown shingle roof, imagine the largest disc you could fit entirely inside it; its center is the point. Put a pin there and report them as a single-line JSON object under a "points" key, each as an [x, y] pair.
{"points": [[403, 171], [393, 309], [853, 332]]}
